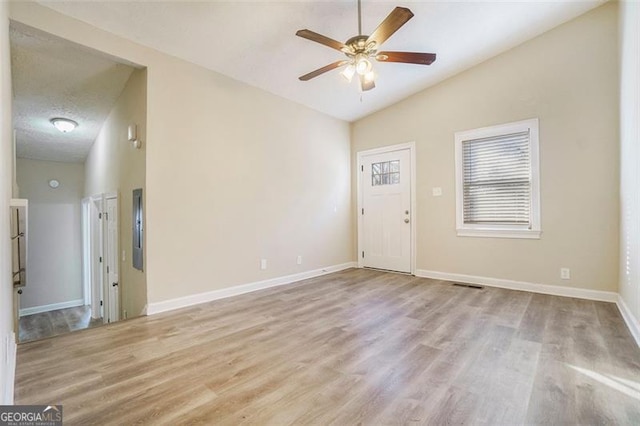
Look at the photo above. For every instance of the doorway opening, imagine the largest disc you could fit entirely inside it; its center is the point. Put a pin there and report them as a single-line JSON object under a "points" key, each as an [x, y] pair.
{"points": [[100, 273], [75, 177]]}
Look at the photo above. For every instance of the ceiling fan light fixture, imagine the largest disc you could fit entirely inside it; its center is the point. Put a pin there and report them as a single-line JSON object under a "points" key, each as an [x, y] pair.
{"points": [[369, 77], [363, 65], [64, 124], [348, 72]]}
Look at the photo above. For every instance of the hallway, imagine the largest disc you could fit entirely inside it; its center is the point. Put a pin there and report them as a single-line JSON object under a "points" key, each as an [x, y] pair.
{"points": [[53, 323]]}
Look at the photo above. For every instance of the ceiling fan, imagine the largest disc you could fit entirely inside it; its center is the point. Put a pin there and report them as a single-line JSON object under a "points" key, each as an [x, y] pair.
{"points": [[359, 49]]}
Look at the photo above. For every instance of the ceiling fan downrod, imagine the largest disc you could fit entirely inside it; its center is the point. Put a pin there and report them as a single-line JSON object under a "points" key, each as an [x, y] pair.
{"points": [[359, 18]]}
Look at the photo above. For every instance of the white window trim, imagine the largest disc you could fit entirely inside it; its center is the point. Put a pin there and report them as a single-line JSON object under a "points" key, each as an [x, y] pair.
{"points": [[501, 231]]}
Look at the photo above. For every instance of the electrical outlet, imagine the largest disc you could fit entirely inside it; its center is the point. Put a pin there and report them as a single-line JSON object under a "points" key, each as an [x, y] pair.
{"points": [[299, 260], [263, 264], [565, 273], [437, 192]]}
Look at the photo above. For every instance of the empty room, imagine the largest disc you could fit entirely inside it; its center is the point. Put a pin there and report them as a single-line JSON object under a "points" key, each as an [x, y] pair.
{"points": [[320, 212]]}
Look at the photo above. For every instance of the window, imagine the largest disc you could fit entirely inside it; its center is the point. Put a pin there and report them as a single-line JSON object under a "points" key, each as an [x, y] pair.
{"points": [[497, 182], [385, 173]]}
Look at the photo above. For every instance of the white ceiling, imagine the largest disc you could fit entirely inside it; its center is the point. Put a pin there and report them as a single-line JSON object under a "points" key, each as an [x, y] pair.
{"points": [[56, 78], [255, 42]]}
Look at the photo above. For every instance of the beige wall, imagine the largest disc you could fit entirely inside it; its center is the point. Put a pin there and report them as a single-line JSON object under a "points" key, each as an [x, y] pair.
{"points": [[630, 156], [567, 78], [233, 174], [7, 358], [239, 175], [55, 231], [114, 165]]}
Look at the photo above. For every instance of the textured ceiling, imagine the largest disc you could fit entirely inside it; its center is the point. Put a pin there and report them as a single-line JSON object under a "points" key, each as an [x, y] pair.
{"points": [[55, 78], [255, 42]]}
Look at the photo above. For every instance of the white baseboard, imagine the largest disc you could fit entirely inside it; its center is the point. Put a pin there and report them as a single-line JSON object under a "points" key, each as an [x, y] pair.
{"points": [[11, 369], [183, 302], [580, 293], [632, 322], [555, 290], [51, 307]]}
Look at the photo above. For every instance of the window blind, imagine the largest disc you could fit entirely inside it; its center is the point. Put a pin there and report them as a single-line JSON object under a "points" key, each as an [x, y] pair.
{"points": [[497, 180]]}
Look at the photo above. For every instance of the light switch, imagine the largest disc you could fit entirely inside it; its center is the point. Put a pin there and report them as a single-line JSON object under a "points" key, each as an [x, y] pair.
{"points": [[437, 191]]}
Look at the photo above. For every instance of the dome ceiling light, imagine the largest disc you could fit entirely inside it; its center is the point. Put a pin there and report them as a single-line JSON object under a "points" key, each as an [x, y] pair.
{"points": [[64, 124]]}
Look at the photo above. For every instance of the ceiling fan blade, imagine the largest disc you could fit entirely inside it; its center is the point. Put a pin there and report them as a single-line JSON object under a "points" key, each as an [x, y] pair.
{"points": [[392, 23], [322, 70], [366, 85], [319, 38], [407, 57]]}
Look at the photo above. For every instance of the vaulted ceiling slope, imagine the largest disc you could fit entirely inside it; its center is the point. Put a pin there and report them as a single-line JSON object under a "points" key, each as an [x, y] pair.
{"points": [[255, 42], [53, 78]]}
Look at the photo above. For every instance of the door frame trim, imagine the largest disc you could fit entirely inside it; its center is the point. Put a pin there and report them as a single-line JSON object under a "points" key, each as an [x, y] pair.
{"points": [[86, 253], [96, 241], [113, 195], [411, 146]]}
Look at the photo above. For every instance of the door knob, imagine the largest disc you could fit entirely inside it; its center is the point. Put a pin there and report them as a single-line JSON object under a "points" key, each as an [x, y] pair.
{"points": [[406, 220], [114, 284]]}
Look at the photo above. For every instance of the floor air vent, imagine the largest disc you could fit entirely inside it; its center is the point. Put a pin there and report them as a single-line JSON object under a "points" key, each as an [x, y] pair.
{"points": [[477, 287]]}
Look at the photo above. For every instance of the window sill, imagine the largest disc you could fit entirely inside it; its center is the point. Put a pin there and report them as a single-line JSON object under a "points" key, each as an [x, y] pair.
{"points": [[500, 233]]}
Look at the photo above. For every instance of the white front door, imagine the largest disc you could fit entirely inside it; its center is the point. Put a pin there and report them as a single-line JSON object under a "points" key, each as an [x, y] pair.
{"points": [[111, 255], [386, 210]]}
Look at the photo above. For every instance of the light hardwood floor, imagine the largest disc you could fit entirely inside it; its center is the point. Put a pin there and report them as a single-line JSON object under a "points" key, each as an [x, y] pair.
{"points": [[355, 347], [53, 323]]}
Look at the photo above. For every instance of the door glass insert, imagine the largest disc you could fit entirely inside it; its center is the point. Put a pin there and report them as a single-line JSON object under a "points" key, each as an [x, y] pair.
{"points": [[385, 173]]}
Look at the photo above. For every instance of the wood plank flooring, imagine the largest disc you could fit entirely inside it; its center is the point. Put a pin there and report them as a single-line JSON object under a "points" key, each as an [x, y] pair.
{"points": [[52, 323], [354, 347]]}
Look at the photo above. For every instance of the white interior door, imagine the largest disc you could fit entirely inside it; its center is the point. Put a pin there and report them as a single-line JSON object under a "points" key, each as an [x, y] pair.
{"points": [[111, 258], [386, 210]]}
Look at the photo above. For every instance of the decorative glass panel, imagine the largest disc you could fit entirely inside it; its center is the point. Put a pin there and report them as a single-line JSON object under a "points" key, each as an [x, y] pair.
{"points": [[385, 173]]}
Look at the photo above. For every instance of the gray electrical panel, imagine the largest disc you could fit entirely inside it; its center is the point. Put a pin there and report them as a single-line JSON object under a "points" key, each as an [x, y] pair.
{"points": [[138, 239]]}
